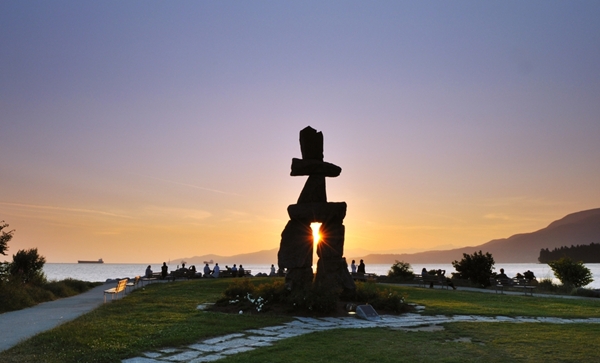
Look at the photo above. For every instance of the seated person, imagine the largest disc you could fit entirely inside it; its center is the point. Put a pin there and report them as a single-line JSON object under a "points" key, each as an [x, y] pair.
{"points": [[148, 271], [191, 273], [442, 275], [502, 275], [206, 270], [216, 271], [425, 273], [234, 270], [529, 275]]}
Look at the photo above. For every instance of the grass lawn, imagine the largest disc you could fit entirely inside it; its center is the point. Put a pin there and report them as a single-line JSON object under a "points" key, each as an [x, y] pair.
{"points": [[165, 315]]}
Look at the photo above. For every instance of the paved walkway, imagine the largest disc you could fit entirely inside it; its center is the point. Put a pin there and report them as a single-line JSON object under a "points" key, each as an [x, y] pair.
{"points": [[25, 323], [216, 348]]}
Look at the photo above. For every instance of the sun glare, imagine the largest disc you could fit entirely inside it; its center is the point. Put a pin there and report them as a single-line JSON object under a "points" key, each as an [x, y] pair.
{"points": [[316, 232]]}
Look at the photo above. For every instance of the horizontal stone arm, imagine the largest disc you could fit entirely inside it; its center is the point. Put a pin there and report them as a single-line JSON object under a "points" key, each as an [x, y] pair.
{"points": [[318, 212], [314, 167]]}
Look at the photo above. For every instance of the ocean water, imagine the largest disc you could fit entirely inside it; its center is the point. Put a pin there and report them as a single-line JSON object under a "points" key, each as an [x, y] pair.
{"points": [[110, 271]]}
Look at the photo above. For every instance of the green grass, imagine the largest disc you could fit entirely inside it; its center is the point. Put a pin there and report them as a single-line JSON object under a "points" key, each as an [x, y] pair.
{"points": [[458, 342], [457, 302], [165, 315], [15, 295]]}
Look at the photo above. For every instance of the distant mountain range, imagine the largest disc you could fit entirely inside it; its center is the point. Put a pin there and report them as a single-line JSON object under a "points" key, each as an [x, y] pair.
{"points": [[580, 228]]}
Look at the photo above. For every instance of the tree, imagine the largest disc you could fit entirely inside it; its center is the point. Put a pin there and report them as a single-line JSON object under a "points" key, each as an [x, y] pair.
{"points": [[27, 265], [476, 268], [5, 237], [401, 270], [571, 273]]}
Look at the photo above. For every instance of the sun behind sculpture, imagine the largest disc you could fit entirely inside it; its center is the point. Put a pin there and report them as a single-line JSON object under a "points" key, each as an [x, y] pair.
{"points": [[316, 232]]}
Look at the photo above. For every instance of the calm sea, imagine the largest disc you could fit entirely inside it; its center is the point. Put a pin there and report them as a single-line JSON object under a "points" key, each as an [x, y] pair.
{"points": [[106, 271]]}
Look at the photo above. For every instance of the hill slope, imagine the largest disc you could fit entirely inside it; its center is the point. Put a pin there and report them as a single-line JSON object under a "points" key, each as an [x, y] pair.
{"points": [[577, 228]]}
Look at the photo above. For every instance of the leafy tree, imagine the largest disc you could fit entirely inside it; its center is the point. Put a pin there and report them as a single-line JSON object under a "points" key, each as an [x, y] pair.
{"points": [[571, 273], [476, 268], [401, 270], [5, 237], [27, 265]]}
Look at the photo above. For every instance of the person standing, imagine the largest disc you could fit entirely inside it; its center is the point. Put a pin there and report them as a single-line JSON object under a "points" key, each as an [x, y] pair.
{"points": [[272, 271], [353, 267], [241, 271], [361, 268], [164, 270]]}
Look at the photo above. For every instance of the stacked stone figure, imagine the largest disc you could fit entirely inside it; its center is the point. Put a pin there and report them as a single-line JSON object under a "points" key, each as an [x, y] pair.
{"points": [[296, 248]]}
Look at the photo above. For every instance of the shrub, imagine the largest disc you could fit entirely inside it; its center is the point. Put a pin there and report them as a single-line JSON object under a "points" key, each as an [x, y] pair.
{"points": [[5, 237], [571, 273], [476, 268], [385, 299], [27, 266], [401, 270], [319, 299]]}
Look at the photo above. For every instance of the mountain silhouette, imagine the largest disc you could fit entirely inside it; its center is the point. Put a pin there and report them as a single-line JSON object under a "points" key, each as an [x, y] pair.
{"points": [[580, 228]]}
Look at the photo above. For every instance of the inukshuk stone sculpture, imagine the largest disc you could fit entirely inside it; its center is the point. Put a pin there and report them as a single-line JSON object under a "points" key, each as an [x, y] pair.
{"points": [[296, 248]]}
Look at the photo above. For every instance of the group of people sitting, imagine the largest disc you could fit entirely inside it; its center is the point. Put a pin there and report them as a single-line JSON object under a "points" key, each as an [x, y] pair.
{"points": [[527, 275], [235, 271], [215, 272]]}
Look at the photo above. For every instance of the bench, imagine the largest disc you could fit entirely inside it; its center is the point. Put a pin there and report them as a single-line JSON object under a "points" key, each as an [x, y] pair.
{"points": [[121, 286], [364, 277], [133, 284], [431, 279], [521, 284], [229, 273]]}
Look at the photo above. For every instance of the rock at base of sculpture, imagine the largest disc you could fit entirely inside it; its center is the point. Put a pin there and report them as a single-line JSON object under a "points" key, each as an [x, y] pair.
{"points": [[296, 247], [333, 272], [299, 279]]}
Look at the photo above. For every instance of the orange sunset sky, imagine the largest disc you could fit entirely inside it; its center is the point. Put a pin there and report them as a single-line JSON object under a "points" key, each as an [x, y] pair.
{"points": [[144, 131]]}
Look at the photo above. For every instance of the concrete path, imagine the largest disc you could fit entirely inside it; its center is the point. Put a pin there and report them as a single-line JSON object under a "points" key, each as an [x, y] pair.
{"points": [[23, 324]]}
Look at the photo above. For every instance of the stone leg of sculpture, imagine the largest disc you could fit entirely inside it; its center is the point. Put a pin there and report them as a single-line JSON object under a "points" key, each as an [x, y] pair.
{"points": [[296, 254]]}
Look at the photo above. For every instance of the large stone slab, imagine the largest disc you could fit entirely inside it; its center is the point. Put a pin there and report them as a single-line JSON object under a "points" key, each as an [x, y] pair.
{"points": [[314, 167], [296, 247], [311, 143], [318, 212]]}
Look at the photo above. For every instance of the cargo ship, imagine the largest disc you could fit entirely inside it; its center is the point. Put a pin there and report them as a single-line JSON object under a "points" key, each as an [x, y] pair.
{"points": [[98, 261]]}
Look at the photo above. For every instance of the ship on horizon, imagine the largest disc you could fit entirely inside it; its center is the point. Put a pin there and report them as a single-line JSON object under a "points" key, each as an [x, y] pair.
{"points": [[97, 261]]}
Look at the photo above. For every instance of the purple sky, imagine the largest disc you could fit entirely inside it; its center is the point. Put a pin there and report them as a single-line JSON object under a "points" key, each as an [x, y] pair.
{"points": [[142, 131]]}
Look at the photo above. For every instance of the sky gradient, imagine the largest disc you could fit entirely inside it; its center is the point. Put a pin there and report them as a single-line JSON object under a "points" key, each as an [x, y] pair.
{"points": [[144, 131]]}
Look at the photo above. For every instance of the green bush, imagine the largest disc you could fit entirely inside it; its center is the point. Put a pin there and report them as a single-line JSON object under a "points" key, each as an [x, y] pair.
{"points": [[571, 273], [5, 237], [319, 299], [27, 266], [402, 271], [476, 268], [380, 298]]}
